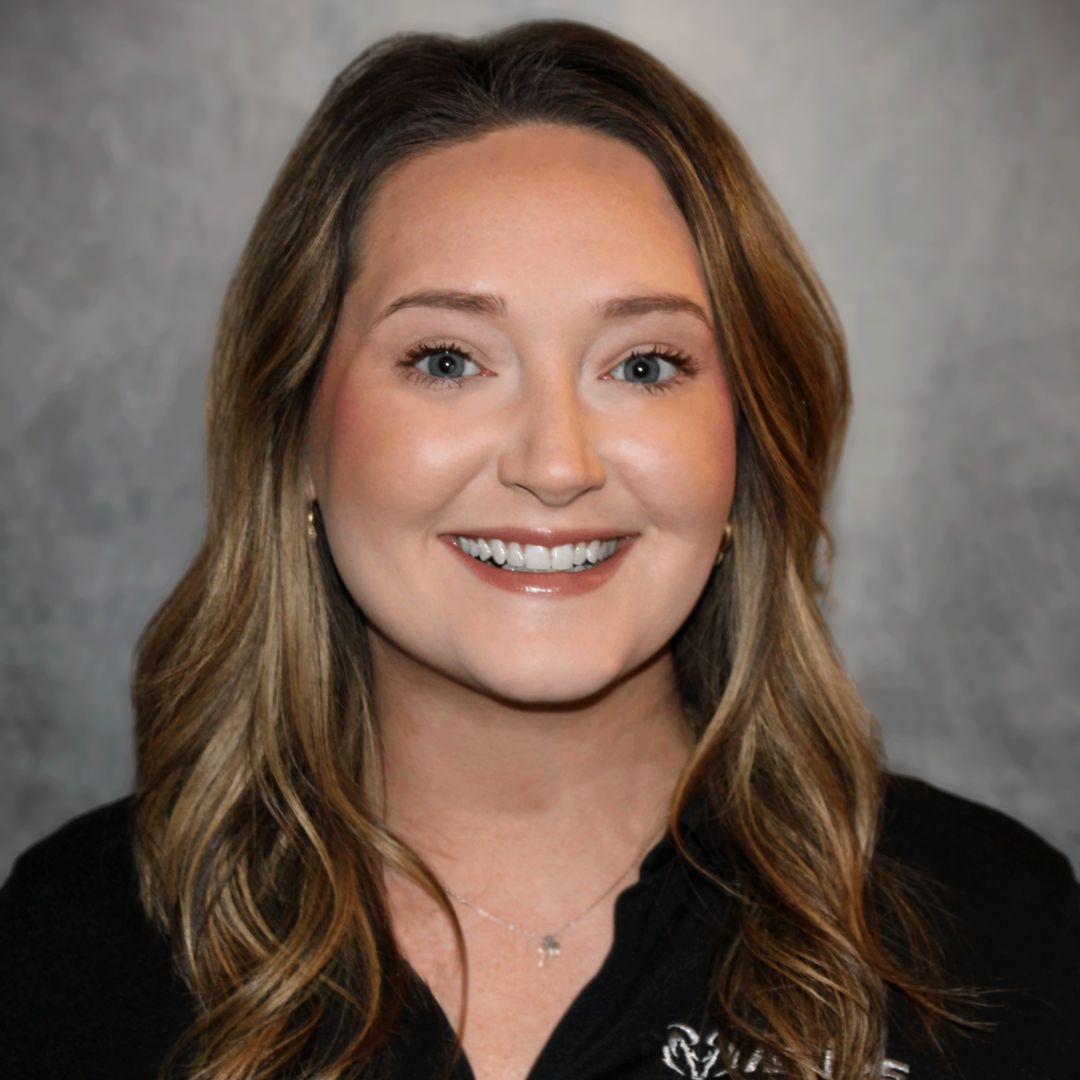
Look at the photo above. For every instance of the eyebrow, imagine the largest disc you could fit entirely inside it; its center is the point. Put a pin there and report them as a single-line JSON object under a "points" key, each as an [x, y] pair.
{"points": [[620, 307]]}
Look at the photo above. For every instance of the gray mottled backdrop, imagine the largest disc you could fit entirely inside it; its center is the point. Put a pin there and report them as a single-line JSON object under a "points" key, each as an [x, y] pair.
{"points": [[926, 152]]}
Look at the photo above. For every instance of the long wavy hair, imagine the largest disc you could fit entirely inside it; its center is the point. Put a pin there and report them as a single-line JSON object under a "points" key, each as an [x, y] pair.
{"points": [[257, 840]]}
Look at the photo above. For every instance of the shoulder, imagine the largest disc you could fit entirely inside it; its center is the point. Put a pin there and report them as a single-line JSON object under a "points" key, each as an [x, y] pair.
{"points": [[1005, 905], [94, 847], [83, 974], [75, 891], [971, 849]]}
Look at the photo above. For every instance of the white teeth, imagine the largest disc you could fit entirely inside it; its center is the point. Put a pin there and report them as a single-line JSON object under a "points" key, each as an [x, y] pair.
{"points": [[562, 557], [536, 557]]}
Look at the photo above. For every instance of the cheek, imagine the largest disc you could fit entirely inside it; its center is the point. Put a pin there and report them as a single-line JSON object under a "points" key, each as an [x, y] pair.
{"points": [[684, 461], [383, 476], [385, 464]]}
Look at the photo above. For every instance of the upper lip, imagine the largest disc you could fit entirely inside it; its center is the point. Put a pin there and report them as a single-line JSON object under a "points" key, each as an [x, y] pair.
{"points": [[544, 537]]}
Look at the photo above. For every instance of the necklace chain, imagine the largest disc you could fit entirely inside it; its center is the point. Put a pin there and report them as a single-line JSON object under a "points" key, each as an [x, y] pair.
{"points": [[550, 946]]}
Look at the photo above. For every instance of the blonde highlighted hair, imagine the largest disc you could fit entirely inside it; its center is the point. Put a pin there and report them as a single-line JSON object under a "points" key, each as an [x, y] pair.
{"points": [[258, 845]]}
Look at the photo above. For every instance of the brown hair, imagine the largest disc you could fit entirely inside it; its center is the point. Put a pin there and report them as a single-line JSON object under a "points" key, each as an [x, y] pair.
{"points": [[257, 843]]}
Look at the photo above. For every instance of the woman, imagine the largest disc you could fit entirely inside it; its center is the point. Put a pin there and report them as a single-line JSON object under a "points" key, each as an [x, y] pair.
{"points": [[495, 730]]}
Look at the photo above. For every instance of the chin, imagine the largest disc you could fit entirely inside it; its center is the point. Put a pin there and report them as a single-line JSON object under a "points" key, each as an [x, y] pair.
{"points": [[554, 681]]}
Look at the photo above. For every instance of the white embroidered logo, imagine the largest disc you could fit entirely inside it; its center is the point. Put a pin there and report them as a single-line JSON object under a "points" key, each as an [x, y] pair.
{"points": [[681, 1054], [688, 1054]]}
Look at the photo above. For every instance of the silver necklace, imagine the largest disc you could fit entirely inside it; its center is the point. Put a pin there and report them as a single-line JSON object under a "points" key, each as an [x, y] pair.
{"points": [[550, 946]]}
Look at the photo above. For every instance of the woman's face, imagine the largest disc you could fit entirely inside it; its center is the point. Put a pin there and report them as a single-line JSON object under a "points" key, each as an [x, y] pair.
{"points": [[482, 384]]}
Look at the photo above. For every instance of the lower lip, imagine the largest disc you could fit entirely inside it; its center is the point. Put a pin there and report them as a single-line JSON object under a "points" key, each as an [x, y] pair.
{"points": [[557, 583]]}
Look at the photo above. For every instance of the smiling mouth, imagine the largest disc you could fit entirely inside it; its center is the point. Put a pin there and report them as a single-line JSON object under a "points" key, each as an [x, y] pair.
{"points": [[536, 558]]}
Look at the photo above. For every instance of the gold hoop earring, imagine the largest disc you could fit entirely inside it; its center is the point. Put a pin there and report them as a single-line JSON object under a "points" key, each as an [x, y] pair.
{"points": [[312, 531], [725, 543]]}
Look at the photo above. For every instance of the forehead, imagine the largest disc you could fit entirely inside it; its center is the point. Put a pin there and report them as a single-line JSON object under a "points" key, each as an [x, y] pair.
{"points": [[539, 209]]}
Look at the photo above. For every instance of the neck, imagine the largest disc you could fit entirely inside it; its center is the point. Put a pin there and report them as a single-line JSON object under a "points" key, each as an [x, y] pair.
{"points": [[492, 791]]}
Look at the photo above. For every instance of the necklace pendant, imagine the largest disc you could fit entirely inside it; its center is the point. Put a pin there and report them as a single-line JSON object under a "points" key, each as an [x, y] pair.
{"points": [[547, 949]]}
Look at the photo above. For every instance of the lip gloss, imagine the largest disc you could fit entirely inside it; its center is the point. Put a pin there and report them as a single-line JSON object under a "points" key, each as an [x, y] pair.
{"points": [[551, 583]]}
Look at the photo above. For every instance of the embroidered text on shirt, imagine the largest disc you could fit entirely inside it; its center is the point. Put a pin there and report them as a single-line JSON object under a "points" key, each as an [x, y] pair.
{"points": [[687, 1054]]}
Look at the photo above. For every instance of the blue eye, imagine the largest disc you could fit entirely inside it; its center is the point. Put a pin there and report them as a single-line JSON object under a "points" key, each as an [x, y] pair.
{"points": [[443, 365], [654, 369]]}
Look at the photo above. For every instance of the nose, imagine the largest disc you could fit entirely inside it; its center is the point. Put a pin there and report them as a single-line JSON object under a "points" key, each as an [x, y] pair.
{"points": [[550, 450]]}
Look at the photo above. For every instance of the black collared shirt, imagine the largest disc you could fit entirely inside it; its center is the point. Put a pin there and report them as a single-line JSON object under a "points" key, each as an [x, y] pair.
{"points": [[87, 991]]}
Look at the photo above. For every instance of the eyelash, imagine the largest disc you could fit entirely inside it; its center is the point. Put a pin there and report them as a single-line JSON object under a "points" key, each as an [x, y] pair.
{"points": [[686, 365]]}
